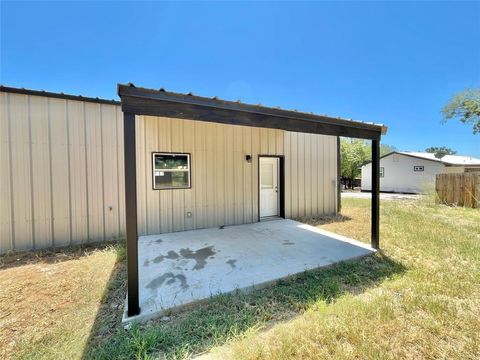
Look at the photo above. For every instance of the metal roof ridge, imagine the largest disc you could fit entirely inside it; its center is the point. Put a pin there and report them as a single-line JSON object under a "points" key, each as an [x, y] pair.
{"points": [[58, 95], [259, 107]]}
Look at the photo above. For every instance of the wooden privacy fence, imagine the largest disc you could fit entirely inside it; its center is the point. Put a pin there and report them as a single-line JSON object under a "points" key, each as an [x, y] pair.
{"points": [[459, 189]]}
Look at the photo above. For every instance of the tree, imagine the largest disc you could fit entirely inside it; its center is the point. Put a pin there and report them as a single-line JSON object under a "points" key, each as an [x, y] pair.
{"points": [[353, 154], [386, 149], [464, 106], [440, 151]]}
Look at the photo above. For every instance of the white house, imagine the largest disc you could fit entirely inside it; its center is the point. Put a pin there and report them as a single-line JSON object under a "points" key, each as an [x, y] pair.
{"points": [[414, 172]]}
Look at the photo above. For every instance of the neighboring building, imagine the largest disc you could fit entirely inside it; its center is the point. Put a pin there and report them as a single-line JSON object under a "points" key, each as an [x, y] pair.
{"points": [[414, 172], [62, 159]]}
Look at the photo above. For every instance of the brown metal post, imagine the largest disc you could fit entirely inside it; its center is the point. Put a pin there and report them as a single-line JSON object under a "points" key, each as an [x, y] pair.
{"points": [[339, 177], [131, 212], [376, 193]]}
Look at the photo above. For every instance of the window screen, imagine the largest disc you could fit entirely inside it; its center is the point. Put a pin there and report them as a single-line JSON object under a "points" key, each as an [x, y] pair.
{"points": [[171, 171]]}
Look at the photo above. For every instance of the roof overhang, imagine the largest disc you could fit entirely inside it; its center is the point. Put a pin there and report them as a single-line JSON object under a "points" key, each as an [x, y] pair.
{"points": [[141, 101]]}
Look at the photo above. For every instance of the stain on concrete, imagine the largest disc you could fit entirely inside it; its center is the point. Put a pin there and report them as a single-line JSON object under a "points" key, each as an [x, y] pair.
{"points": [[288, 242], [158, 241], [157, 282], [146, 263], [172, 255], [232, 262], [200, 256]]}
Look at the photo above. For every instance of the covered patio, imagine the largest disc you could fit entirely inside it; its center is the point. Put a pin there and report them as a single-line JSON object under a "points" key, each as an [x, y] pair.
{"points": [[173, 269], [182, 268]]}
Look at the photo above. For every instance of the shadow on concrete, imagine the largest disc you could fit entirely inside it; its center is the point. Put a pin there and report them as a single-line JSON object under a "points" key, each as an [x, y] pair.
{"points": [[199, 328]]}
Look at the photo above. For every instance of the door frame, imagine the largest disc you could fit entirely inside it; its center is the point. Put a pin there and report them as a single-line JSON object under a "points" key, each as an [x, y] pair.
{"points": [[281, 183]]}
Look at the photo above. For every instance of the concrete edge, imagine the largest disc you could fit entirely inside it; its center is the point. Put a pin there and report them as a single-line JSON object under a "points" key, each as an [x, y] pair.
{"points": [[141, 318]]}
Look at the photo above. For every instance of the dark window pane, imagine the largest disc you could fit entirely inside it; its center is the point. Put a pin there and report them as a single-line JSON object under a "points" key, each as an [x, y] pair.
{"points": [[167, 161], [170, 179]]}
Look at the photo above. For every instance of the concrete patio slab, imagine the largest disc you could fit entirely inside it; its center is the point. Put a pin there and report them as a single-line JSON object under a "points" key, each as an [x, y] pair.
{"points": [[180, 268]]}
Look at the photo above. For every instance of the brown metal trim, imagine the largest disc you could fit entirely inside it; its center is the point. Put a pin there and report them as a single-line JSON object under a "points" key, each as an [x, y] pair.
{"points": [[131, 213], [13, 90], [189, 170], [281, 170], [375, 194], [234, 117], [161, 103]]}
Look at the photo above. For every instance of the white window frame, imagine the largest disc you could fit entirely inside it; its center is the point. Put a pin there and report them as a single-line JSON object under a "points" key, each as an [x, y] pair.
{"points": [[188, 170], [382, 172]]}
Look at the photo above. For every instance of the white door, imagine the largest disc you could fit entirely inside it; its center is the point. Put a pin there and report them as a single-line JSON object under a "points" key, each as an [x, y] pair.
{"points": [[269, 189]]}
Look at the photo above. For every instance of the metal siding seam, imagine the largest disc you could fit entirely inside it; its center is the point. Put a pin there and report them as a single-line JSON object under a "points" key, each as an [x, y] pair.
{"points": [[86, 171], [67, 121], [50, 170], [102, 170], [31, 171], [12, 211]]}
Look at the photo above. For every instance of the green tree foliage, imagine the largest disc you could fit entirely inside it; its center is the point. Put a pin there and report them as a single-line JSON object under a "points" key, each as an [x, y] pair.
{"points": [[465, 106], [353, 154], [440, 151]]}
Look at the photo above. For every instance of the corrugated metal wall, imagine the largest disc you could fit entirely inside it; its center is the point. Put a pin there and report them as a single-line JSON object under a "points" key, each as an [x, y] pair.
{"points": [[61, 167], [61, 179], [225, 186]]}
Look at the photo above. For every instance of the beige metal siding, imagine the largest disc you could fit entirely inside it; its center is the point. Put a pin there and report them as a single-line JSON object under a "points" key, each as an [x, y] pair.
{"points": [[62, 183], [62, 167], [224, 185]]}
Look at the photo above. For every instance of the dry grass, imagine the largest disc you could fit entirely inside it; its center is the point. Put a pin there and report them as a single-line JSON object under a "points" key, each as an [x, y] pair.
{"points": [[432, 311], [49, 300]]}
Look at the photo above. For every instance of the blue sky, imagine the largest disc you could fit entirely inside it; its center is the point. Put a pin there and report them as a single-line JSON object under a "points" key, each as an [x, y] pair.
{"points": [[392, 63]]}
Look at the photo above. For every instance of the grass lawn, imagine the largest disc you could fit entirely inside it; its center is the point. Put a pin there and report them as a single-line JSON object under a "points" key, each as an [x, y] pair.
{"points": [[418, 298]]}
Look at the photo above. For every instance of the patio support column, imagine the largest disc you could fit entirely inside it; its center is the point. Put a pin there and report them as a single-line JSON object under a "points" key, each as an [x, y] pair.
{"points": [[376, 193], [131, 212], [339, 177]]}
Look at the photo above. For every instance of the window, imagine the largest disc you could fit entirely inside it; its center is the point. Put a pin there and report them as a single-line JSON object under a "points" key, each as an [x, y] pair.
{"points": [[171, 171], [266, 180], [418, 168], [382, 172]]}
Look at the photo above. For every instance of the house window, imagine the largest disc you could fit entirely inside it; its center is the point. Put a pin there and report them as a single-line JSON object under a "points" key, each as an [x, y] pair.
{"points": [[382, 172], [171, 171], [418, 168]]}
